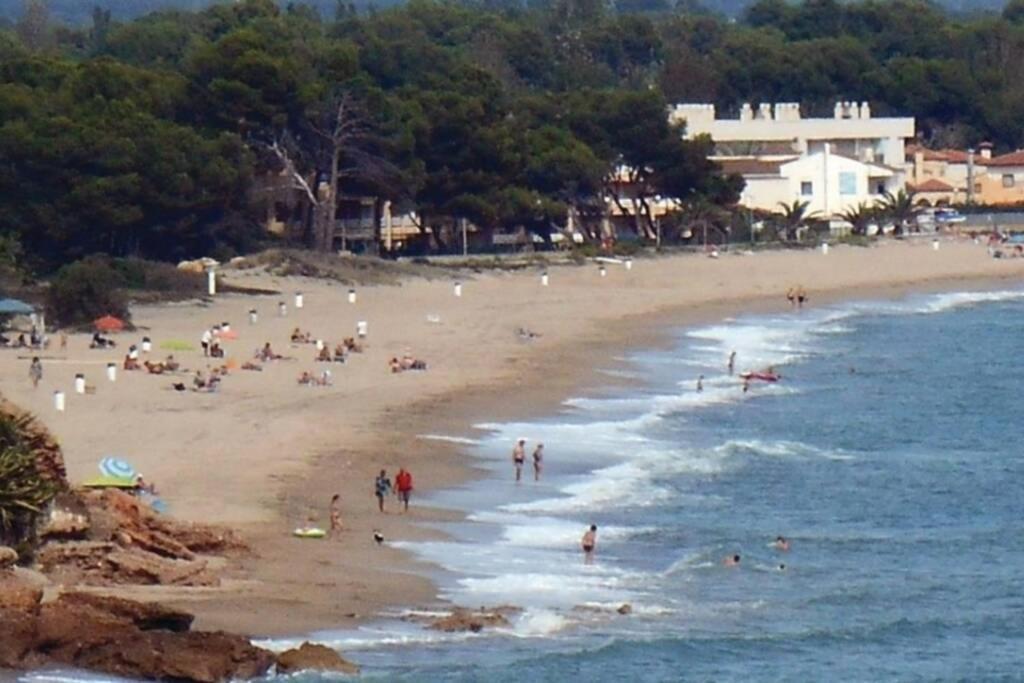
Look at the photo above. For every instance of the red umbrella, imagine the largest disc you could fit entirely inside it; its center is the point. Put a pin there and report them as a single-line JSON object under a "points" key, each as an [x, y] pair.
{"points": [[108, 323]]}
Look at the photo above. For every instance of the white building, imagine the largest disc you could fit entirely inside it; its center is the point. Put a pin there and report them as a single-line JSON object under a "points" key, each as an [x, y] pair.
{"points": [[780, 129], [830, 183], [833, 163]]}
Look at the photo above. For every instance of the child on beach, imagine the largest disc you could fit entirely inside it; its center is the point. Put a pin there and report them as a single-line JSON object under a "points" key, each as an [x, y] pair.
{"points": [[35, 371], [381, 487]]}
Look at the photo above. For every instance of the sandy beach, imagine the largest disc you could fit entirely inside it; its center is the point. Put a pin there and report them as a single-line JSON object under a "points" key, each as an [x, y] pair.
{"points": [[264, 454]]}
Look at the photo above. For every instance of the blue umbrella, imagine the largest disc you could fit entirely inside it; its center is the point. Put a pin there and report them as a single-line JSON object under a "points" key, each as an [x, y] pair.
{"points": [[117, 468], [15, 307]]}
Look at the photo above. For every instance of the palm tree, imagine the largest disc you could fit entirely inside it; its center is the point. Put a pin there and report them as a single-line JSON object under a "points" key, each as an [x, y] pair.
{"points": [[31, 473], [860, 217], [794, 216], [899, 208]]}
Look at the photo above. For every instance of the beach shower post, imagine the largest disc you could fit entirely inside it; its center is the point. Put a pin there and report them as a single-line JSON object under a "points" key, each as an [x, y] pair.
{"points": [[58, 401], [79, 383], [211, 281], [112, 372], [544, 279], [351, 296], [298, 300], [457, 289], [602, 271]]}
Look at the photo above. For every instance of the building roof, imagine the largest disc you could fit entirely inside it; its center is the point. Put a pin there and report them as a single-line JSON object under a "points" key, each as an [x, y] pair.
{"points": [[1011, 159], [932, 185], [952, 156], [750, 166]]}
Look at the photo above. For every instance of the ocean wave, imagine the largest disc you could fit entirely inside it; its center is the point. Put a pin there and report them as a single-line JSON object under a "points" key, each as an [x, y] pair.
{"points": [[451, 439], [779, 449]]}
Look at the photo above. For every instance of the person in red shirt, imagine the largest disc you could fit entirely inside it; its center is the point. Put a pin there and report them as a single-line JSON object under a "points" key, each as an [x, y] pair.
{"points": [[403, 486]]}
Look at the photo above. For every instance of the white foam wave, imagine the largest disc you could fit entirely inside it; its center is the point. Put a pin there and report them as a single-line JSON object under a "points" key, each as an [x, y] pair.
{"points": [[944, 302], [451, 439], [537, 623], [780, 449]]}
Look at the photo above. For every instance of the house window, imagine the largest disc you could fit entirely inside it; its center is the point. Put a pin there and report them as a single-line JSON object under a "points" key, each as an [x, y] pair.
{"points": [[847, 183], [880, 188], [1008, 180], [806, 188], [977, 188]]}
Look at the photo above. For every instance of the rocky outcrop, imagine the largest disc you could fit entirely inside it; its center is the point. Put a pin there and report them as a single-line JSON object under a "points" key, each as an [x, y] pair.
{"points": [[313, 657], [8, 557], [461, 619], [118, 637]]}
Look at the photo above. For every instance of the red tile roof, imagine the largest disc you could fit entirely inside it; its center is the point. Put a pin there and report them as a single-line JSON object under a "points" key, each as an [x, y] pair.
{"points": [[952, 156], [1011, 159], [751, 166], [932, 185]]}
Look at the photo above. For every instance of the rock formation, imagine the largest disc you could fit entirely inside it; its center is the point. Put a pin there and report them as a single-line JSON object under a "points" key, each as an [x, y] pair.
{"points": [[310, 656]]}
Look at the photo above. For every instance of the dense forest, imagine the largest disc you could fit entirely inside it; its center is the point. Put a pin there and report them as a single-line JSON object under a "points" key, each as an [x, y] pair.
{"points": [[150, 137]]}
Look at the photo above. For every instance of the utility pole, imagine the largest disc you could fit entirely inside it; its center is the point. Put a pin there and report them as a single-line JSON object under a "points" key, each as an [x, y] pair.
{"points": [[465, 244]]}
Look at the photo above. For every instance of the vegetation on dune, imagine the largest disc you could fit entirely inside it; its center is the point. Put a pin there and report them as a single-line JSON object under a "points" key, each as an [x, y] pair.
{"points": [[31, 474]]}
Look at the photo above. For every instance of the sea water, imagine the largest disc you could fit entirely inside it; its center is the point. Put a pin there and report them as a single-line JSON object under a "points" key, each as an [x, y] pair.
{"points": [[891, 454]]}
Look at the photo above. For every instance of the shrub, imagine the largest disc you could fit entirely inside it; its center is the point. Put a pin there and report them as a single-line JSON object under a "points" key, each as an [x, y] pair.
{"points": [[31, 473], [85, 290]]}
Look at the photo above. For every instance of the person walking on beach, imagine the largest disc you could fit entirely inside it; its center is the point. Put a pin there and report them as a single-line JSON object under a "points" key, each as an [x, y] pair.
{"points": [[335, 513], [589, 541], [381, 488], [205, 340], [538, 461], [403, 487], [519, 457], [35, 371], [700, 384], [732, 362]]}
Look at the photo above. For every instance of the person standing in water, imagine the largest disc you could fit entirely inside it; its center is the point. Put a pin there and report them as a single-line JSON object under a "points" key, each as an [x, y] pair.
{"points": [[538, 461], [700, 384], [35, 371], [381, 487], [732, 362], [519, 458], [589, 540]]}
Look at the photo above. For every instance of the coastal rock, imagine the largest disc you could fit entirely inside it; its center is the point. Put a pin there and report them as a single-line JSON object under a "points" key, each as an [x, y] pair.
{"points": [[17, 594], [67, 519], [310, 656], [8, 557], [138, 567], [462, 619], [122, 638], [147, 616]]}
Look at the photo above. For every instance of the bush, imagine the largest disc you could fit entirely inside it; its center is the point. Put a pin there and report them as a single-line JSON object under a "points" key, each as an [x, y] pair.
{"points": [[85, 290]]}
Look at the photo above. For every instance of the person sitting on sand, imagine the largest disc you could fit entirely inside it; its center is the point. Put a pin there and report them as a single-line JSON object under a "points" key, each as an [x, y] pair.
{"points": [[340, 353], [335, 513], [732, 561], [306, 378], [143, 487], [267, 354], [300, 337], [130, 363], [216, 350], [324, 356], [170, 364], [199, 381], [351, 345], [153, 368], [395, 365]]}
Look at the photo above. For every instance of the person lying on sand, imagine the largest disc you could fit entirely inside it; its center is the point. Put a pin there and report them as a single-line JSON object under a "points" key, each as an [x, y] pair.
{"points": [[101, 342], [410, 363], [250, 365], [526, 334]]}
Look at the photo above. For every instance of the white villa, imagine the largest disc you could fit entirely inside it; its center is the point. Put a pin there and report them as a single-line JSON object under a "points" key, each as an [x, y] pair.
{"points": [[832, 163]]}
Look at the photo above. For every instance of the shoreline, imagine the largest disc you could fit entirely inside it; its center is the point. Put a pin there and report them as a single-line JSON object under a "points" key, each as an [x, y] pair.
{"points": [[284, 451]]}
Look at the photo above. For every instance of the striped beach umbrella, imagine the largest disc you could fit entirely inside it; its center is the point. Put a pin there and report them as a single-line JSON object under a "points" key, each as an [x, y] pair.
{"points": [[117, 468]]}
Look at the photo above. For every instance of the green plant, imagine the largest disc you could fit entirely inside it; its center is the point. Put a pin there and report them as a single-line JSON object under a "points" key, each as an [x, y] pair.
{"points": [[31, 474], [85, 290]]}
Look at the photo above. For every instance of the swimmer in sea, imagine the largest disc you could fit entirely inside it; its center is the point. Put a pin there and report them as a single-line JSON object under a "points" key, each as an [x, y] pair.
{"points": [[700, 384], [781, 543], [732, 362], [746, 385], [589, 540], [732, 561]]}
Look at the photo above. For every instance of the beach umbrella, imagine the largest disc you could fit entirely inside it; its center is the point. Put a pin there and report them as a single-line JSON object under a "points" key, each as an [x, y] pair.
{"points": [[117, 468], [108, 323], [15, 307]]}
